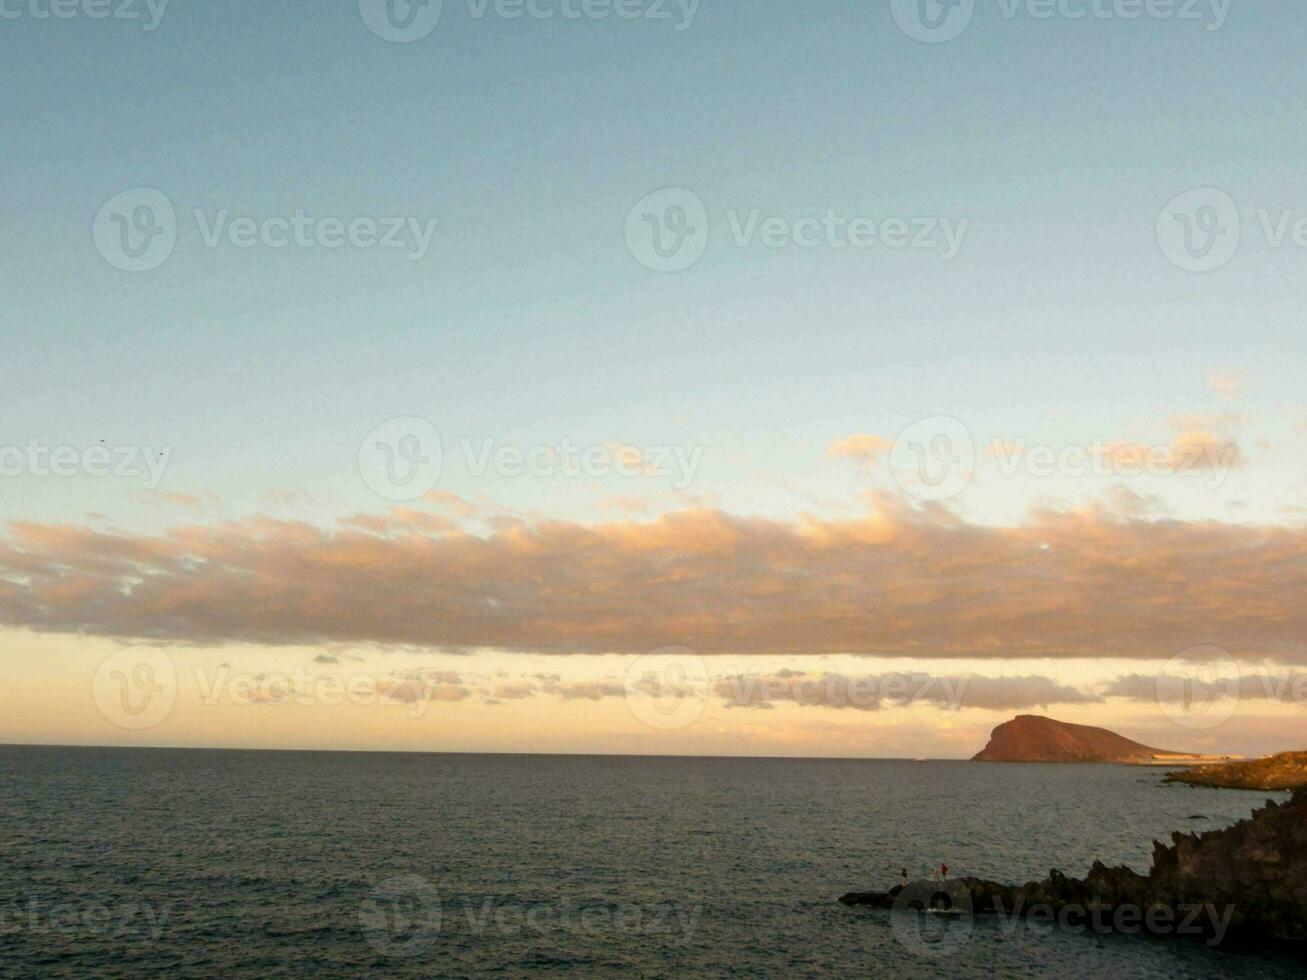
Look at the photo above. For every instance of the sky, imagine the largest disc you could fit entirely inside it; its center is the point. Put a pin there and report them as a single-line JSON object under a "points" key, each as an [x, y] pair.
{"points": [[831, 379]]}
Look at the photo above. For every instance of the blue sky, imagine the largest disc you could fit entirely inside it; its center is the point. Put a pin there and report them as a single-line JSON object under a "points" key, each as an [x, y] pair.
{"points": [[528, 140]]}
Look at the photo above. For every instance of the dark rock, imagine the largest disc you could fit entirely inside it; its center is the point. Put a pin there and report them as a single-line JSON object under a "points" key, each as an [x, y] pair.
{"points": [[1248, 881]]}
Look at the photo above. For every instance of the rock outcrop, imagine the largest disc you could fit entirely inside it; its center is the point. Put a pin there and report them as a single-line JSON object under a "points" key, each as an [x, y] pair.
{"points": [[1034, 738], [1288, 770], [1248, 882]]}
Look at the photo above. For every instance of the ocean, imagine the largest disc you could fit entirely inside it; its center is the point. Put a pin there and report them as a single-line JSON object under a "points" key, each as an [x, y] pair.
{"points": [[196, 863]]}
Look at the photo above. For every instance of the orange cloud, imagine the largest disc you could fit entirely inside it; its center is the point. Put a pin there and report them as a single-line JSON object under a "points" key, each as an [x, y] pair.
{"points": [[1201, 449], [452, 502], [188, 501], [1193, 451], [861, 447], [625, 504], [893, 581]]}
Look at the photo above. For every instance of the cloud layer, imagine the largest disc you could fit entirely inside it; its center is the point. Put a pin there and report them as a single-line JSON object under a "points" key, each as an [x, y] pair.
{"points": [[894, 581]]}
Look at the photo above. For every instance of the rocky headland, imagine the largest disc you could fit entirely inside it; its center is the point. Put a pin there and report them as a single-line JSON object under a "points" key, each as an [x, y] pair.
{"points": [[1247, 882], [1035, 738]]}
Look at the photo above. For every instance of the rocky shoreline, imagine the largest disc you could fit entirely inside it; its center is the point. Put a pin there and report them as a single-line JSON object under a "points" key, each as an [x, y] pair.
{"points": [[1247, 882], [1288, 770]]}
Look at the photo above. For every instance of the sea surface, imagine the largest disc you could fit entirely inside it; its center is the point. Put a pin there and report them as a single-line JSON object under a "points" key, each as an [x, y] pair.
{"points": [[182, 863]]}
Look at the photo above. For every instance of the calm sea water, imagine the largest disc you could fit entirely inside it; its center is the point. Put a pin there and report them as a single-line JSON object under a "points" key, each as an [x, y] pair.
{"points": [[198, 864]]}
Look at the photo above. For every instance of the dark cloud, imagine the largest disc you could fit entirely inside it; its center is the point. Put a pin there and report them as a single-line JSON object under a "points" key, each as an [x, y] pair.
{"points": [[1288, 687], [873, 692], [588, 690], [425, 684], [512, 691]]}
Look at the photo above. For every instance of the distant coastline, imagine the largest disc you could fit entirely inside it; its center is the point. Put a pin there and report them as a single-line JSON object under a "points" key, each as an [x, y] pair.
{"points": [[1285, 771]]}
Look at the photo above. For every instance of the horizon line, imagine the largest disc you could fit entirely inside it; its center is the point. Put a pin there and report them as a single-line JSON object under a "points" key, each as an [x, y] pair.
{"points": [[561, 755]]}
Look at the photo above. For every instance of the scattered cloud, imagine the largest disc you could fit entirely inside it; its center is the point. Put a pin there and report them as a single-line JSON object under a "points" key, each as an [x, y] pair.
{"points": [[417, 686], [1227, 383], [185, 501], [512, 691], [1288, 687], [399, 520], [625, 504], [283, 499], [452, 502], [861, 447], [873, 692], [1119, 501], [588, 690], [1223, 422], [1202, 449], [1018, 693], [1192, 451], [630, 458]]}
